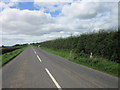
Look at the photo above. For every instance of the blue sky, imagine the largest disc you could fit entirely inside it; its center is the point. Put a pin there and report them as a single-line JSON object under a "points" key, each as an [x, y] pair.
{"points": [[26, 22], [54, 13], [31, 6], [25, 5]]}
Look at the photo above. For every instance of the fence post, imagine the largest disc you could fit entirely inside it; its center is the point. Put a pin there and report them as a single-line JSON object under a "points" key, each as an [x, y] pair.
{"points": [[91, 55], [38, 45]]}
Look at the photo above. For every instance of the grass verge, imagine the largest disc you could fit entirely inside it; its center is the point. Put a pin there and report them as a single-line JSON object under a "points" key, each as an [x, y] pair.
{"points": [[95, 63], [5, 58]]}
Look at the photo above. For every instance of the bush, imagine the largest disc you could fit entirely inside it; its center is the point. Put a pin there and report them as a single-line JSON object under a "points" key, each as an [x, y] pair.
{"points": [[103, 44]]}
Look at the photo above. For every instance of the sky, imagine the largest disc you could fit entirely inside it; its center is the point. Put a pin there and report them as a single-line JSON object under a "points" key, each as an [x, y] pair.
{"points": [[28, 21]]}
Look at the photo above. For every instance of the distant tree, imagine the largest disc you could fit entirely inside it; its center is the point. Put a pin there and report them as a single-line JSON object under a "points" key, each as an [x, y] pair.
{"points": [[17, 45], [3, 46]]}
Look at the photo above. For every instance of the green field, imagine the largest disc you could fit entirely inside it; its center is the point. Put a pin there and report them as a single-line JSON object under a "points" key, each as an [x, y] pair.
{"points": [[97, 63], [5, 58]]}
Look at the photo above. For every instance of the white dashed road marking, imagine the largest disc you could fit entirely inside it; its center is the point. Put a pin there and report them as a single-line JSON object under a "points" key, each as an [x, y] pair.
{"points": [[35, 52], [39, 58], [53, 79]]}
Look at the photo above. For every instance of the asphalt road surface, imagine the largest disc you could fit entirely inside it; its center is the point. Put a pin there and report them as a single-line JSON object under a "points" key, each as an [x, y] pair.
{"points": [[36, 68]]}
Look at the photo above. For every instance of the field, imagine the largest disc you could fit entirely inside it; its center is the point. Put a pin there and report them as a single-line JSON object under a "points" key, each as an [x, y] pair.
{"points": [[6, 50], [9, 53]]}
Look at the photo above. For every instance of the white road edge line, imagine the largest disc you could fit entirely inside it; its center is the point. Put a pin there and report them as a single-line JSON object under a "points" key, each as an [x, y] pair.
{"points": [[39, 58], [53, 79]]}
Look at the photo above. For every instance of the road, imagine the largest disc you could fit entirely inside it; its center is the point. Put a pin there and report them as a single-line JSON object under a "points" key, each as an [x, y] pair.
{"points": [[36, 68]]}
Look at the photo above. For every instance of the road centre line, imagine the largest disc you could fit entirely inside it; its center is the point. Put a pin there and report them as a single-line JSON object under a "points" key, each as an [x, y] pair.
{"points": [[39, 58], [35, 52], [53, 79]]}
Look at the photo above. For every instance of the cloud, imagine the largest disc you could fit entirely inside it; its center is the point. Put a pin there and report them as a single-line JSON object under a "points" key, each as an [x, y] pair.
{"points": [[86, 10], [4, 5], [90, 15], [8, 3], [25, 22], [49, 6], [21, 26], [53, 1]]}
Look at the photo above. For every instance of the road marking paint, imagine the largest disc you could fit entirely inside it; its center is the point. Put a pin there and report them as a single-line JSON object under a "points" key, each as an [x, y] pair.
{"points": [[37, 55], [39, 58], [53, 79], [35, 52]]}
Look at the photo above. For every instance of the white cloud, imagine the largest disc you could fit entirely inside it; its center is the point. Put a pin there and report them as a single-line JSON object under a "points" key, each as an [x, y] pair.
{"points": [[21, 26], [28, 22], [86, 10], [53, 1], [85, 15], [4, 5], [49, 6]]}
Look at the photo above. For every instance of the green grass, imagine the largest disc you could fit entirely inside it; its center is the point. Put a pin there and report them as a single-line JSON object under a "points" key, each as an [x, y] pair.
{"points": [[5, 58], [97, 63]]}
